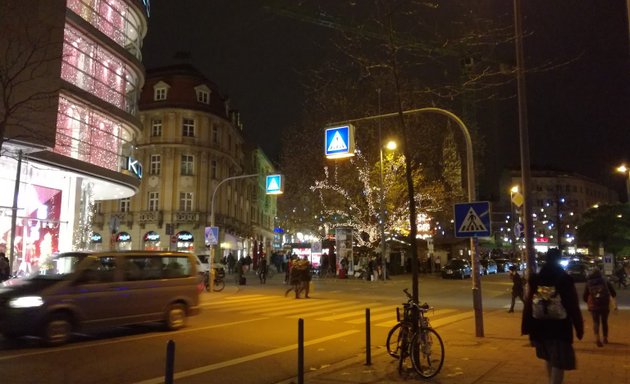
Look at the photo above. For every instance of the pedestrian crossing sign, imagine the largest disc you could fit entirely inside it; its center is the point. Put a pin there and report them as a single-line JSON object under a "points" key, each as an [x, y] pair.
{"points": [[274, 185], [339, 142], [472, 219], [212, 235]]}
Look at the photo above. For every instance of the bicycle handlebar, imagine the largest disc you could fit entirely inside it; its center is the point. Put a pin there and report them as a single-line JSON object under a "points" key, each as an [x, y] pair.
{"points": [[422, 307]]}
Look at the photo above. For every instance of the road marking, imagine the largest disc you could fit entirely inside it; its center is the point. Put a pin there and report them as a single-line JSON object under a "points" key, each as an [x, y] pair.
{"points": [[357, 313], [125, 339], [244, 359], [451, 319]]}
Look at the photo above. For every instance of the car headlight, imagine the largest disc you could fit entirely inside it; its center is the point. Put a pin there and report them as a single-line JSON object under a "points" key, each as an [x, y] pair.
{"points": [[26, 302]]}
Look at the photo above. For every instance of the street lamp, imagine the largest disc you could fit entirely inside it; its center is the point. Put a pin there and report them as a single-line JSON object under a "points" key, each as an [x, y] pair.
{"points": [[623, 169], [391, 145]]}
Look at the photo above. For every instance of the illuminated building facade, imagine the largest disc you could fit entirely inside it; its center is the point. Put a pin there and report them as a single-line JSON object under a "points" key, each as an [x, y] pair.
{"points": [[559, 199], [191, 142], [71, 122]]}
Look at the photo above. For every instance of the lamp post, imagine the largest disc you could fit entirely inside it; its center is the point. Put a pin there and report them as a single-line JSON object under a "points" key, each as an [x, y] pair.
{"points": [[212, 251], [623, 169], [391, 145], [470, 172]]}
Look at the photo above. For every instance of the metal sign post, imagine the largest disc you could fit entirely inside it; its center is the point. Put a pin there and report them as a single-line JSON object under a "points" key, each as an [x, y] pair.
{"points": [[473, 220]]}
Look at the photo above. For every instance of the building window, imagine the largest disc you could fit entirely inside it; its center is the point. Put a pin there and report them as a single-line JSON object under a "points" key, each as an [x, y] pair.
{"points": [[154, 201], [98, 207], [213, 167], [215, 134], [155, 165], [187, 165], [156, 127], [125, 205], [188, 127], [203, 96], [185, 201], [159, 94]]}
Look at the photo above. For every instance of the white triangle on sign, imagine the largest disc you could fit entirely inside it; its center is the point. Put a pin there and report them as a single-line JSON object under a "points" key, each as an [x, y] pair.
{"points": [[273, 185], [211, 239], [337, 143], [472, 223]]}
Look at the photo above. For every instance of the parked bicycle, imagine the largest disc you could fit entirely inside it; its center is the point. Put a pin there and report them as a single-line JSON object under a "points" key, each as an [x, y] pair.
{"points": [[219, 280], [420, 344]]}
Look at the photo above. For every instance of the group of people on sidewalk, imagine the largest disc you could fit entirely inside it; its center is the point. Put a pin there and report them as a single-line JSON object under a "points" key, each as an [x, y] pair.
{"points": [[552, 313]]}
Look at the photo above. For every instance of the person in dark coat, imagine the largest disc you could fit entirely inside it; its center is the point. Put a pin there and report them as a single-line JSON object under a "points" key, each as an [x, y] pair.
{"points": [[517, 287], [553, 338], [597, 293]]}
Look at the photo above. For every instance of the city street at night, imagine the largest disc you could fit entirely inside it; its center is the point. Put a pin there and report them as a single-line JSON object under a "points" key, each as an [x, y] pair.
{"points": [[248, 334]]}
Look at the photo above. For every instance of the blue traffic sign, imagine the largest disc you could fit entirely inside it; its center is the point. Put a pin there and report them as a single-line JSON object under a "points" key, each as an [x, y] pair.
{"points": [[472, 219], [339, 141], [273, 185], [212, 235]]}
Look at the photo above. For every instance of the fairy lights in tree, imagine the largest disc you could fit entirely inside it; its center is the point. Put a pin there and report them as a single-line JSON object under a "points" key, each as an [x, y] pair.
{"points": [[83, 227]]}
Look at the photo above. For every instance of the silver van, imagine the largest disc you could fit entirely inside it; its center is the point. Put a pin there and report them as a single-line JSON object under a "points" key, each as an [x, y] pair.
{"points": [[86, 291]]}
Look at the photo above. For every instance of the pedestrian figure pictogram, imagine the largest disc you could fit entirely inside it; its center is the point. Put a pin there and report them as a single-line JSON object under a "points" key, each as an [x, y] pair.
{"points": [[472, 223]]}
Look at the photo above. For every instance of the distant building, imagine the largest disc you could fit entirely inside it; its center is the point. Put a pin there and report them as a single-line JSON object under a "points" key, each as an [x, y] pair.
{"points": [[558, 198], [70, 125], [190, 144]]}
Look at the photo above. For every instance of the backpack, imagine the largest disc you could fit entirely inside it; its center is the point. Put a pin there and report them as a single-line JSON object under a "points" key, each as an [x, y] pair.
{"points": [[599, 293], [547, 304]]}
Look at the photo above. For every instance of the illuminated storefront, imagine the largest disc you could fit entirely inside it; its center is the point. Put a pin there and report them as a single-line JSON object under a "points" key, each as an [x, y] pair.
{"points": [[151, 241]]}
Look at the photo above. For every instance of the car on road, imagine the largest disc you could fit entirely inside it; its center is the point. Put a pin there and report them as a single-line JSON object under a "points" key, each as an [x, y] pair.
{"points": [[503, 265], [488, 266], [456, 269], [578, 271]]}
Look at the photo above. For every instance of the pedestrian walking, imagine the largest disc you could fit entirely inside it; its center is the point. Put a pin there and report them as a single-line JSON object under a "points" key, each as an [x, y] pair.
{"points": [[517, 287], [620, 274], [262, 271], [550, 314], [597, 294]]}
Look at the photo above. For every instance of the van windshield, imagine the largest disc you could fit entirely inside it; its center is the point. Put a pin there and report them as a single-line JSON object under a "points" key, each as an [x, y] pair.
{"points": [[62, 265]]}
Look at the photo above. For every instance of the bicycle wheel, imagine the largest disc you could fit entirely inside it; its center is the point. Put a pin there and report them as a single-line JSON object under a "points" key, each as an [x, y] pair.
{"points": [[427, 352], [218, 285], [393, 341]]}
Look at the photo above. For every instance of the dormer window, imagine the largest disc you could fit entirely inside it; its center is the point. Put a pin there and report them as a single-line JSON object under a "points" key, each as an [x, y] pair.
{"points": [[160, 91], [203, 94]]}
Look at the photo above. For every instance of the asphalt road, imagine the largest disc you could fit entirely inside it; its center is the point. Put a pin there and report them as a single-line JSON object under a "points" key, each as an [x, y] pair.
{"points": [[247, 334]]}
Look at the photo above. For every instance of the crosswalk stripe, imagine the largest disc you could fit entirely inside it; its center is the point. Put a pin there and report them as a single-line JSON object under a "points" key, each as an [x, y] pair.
{"points": [[355, 313], [303, 309], [349, 312]]}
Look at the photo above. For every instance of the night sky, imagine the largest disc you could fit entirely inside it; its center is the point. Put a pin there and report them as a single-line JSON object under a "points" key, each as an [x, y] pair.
{"points": [[578, 115]]}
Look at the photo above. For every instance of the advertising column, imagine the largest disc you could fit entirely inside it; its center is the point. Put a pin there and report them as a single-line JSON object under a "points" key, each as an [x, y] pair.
{"points": [[343, 238]]}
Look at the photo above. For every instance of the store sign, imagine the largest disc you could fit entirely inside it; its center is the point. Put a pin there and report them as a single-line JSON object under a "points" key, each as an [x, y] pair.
{"points": [[185, 236], [541, 239], [96, 238], [134, 167], [151, 236], [122, 237]]}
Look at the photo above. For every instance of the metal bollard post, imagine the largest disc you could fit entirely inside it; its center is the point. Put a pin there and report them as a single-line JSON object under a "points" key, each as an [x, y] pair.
{"points": [[170, 360], [368, 347], [300, 377]]}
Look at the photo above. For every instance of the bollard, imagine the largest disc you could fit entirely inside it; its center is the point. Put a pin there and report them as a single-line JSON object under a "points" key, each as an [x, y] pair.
{"points": [[170, 360], [368, 346], [300, 377]]}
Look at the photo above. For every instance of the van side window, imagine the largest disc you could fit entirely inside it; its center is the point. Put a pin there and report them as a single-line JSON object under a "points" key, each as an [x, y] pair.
{"points": [[134, 268], [177, 267], [105, 269]]}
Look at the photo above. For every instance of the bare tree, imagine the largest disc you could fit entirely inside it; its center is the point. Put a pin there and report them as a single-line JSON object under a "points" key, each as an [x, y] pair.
{"points": [[30, 56]]}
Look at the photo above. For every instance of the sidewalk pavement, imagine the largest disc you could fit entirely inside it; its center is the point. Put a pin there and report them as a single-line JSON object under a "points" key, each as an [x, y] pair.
{"points": [[502, 356]]}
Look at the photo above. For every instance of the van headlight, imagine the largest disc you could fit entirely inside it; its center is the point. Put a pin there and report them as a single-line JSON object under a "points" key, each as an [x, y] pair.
{"points": [[26, 302]]}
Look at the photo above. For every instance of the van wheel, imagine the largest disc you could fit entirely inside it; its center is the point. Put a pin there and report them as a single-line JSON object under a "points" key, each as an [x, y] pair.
{"points": [[175, 317], [57, 330]]}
